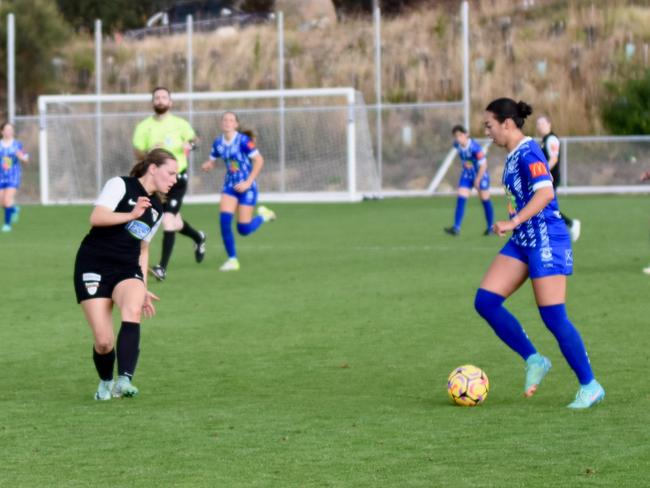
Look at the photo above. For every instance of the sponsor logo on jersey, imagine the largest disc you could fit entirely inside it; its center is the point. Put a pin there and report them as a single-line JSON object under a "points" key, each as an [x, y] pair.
{"points": [[131, 202], [233, 166], [480, 155], [7, 163], [173, 202], [250, 145], [138, 229], [537, 169], [154, 214]]}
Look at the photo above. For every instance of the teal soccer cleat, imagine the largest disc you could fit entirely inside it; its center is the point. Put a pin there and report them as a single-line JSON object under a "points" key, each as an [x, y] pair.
{"points": [[104, 390], [123, 388], [537, 366], [588, 396]]}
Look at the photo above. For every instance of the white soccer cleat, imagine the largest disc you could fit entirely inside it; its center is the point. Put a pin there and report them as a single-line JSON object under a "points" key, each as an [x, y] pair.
{"points": [[647, 270], [267, 214], [574, 230], [232, 264], [104, 390]]}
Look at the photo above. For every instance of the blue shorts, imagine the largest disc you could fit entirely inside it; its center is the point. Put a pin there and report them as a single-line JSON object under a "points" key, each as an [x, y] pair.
{"points": [[249, 197], [10, 179], [467, 180], [556, 259]]}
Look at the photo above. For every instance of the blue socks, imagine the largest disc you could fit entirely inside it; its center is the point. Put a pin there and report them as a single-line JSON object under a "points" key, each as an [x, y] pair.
{"points": [[490, 306], [244, 229], [250, 227], [571, 345], [460, 212], [489, 213], [227, 234], [9, 211]]}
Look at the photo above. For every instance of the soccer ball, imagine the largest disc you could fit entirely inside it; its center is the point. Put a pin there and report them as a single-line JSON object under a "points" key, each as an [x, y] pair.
{"points": [[468, 386]]}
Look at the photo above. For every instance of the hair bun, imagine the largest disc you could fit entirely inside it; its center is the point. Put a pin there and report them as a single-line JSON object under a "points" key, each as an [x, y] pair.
{"points": [[523, 109]]}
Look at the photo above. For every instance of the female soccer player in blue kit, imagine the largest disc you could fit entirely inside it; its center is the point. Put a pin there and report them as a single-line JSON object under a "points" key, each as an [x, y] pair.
{"points": [[539, 249], [473, 174], [11, 155], [239, 192]]}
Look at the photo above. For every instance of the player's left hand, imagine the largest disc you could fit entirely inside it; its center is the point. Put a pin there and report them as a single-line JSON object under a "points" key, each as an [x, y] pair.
{"points": [[502, 227], [243, 186], [148, 309]]}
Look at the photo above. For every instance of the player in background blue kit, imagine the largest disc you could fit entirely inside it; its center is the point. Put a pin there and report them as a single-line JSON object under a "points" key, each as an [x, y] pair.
{"points": [[539, 249], [11, 155], [239, 192], [473, 174]]}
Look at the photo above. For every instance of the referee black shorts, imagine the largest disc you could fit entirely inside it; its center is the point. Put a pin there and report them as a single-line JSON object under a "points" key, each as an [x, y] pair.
{"points": [[176, 194]]}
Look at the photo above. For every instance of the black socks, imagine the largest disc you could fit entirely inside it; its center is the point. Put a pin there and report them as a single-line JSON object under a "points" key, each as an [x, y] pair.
{"points": [[128, 348]]}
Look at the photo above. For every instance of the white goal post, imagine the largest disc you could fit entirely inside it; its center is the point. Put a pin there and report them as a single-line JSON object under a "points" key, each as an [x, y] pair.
{"points": [[316, 142]]}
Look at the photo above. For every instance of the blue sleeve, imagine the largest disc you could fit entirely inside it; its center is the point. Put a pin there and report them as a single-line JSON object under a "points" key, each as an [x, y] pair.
{"points": [[247, 146], [214, 152], [477, 152], [534, 167]]}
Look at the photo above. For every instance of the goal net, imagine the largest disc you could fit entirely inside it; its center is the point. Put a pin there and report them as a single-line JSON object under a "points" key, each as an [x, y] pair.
{"points": [[316, 143]]}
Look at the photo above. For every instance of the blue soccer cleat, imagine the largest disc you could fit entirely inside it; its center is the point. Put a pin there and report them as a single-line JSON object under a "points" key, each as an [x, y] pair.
{"points": [[537, 366], [588, 395]]}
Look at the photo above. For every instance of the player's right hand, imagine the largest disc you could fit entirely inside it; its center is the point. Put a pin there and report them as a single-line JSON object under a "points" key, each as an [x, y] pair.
{"points": [[208, 166], [141, 206]]}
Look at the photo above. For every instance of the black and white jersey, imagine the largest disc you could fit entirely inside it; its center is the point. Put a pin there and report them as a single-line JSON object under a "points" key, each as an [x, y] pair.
{"points": [[121, 243], [551, 148]]}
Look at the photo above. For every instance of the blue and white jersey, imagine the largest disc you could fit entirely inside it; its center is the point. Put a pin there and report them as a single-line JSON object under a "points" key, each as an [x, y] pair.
{"points": [[471, 156], [10, 170], [236, 155], [525, 172]]}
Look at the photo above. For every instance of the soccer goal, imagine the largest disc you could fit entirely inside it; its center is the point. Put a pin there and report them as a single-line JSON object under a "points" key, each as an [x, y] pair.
{"points": [[316, 142]]}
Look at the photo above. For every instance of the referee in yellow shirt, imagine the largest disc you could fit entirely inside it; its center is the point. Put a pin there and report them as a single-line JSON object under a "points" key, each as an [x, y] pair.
{"points": [[165, 130]]}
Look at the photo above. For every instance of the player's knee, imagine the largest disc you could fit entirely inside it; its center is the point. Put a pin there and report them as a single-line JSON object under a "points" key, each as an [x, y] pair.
{"points": [[244, 229], [131, 312], [104, 345], [485, 302]]}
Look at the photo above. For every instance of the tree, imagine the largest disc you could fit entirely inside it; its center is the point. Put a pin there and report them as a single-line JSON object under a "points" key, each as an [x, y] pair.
{"points": [[627, 107], [40, 32], [346, 8], [115, 14]]}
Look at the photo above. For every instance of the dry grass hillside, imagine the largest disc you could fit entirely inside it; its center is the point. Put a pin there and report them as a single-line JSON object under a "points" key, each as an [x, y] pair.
{"points": [[555, 54]]}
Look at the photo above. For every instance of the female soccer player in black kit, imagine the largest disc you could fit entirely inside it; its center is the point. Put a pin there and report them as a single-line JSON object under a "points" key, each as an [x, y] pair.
{"points": [[111, 266]]}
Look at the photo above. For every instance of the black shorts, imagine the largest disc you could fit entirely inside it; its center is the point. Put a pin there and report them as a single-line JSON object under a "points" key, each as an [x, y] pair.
{"points": [[176, 193], [96, 278]]}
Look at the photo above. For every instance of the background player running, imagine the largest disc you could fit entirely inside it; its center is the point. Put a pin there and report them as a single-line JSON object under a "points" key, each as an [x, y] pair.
{"points": [[474, 174], [239, 192], [11, 155], [111, 266], [539, 249], [167, 131], [551, 148]]}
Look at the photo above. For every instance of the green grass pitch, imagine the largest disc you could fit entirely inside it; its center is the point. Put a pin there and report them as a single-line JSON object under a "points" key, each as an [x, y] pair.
{"points": [[323, 362]]}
